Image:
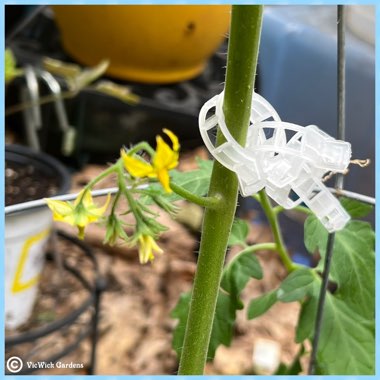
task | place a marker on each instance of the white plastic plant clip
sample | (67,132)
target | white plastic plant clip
(231,154)
(284,158)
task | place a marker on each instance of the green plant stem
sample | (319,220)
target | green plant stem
(253,249)
(241,68)
(141,146)
(209,202)
(115,202)
(123,188)
(100,177)
(278,239)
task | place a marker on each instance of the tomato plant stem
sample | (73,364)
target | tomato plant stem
(277,234)
(241,68)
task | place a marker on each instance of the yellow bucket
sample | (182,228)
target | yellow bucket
(144,43)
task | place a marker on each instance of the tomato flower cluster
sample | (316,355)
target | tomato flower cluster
(131,170)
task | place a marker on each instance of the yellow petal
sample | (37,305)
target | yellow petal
(87,198)
(144,249)
(104,207)
(60,209)
(69,219)
(163,177)
(173,138)
(136,167)
(155,246)
(99,211)
(165,157)
(81,232)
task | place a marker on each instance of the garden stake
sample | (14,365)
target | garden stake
(338,183)
(241,68)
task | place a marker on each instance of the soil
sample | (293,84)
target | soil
(135,326)
(25,183)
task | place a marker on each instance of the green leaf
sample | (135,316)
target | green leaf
(239,232)
(355,208)
(180,312)
(353,263)
(306,320)
(196,181)
(262,304)
(281,370)
(346,343)
(349,334)
(296,286)
(347,340)
(239,271)
(294,368)
(222,328)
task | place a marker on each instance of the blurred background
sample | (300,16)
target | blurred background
(175,66)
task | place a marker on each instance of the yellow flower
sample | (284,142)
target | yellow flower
(164,160)
(80,213)
(146,247)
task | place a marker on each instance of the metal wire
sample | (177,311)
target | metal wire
(113,190)
(341,132)
(355,196)
(66,197)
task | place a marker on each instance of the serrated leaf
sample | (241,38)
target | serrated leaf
(222,328)
(262,304)
(346,343)
(296,286)
(306,320)
(349,334)
(239,271)
(196,181)
(348,319)
(355,208)
(239,232)
(353,262)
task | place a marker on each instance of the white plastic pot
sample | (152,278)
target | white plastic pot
(26,235)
